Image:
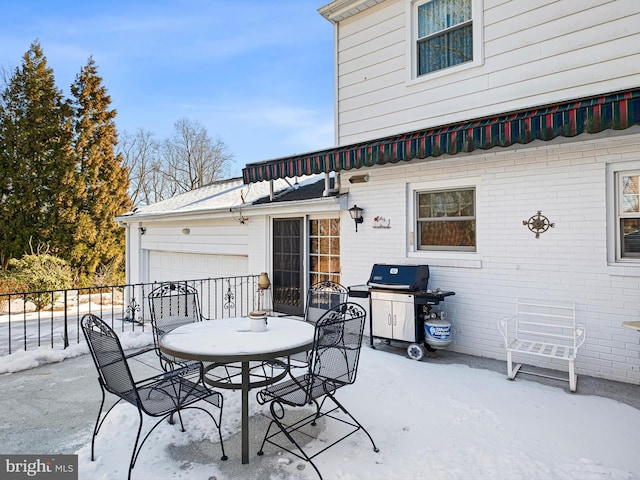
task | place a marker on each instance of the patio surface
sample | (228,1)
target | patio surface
(51,409)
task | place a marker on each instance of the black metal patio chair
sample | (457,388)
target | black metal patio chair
(172,305)
(161,395)
(333,365)
(321,297)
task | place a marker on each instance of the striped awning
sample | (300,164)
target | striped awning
(589,115)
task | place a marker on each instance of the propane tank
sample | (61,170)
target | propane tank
(437,330)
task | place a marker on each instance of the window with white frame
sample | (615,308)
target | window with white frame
(444,34)
(446,219)
(628,214)
(324,250)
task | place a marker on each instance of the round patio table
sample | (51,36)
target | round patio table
(229,340)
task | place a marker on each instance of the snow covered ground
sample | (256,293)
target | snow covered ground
(442,422)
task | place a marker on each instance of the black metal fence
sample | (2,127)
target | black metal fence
(29,320)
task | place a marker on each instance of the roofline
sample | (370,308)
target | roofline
(339,10)
(226,211)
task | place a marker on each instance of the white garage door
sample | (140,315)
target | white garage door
(188,266)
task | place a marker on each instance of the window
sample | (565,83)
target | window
(446,220)
(324,250)
(628,214)
(444,34)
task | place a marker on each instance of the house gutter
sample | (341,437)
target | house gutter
(222,212)
(341,9)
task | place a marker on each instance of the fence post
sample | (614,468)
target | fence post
(66,330)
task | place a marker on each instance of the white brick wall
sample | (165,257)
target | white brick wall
(565,179)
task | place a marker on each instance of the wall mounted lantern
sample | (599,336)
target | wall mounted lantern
(236,213)
(143,230)
(356,214)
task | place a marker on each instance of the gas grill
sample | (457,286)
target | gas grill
(399,304)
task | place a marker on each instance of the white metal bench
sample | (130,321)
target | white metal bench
(545,328)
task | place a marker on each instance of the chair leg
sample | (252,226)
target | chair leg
(318,409)
(573,378)
(264,440)
(137,446)
(96,428)
(511,370)
(181,423)
(99,422)
(283,428)
(219,427)
(344,410)
(136,449)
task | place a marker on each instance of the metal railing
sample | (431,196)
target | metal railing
(30,320)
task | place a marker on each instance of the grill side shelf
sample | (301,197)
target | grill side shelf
(358,291)
(431,298)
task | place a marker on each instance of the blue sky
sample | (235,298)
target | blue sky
(256,73)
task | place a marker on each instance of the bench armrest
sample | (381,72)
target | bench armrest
(503,327)
(581,335)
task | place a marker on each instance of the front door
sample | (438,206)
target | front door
(288,254)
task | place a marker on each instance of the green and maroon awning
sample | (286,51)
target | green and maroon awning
(590,115)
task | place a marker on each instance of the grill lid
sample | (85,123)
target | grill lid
(399,277)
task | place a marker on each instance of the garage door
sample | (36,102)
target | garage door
(165,266)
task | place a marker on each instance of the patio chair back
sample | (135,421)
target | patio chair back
(172,305)
(322,297)
(109,359)
(337,344)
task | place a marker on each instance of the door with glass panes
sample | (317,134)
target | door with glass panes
(323,255)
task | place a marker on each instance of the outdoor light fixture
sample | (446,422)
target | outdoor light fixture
(359,179)
(236,213)
(356,214)
(143,230)
(186,231)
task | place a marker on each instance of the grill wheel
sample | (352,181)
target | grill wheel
(415,351)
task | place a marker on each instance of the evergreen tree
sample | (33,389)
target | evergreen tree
(36,160)
(98,240)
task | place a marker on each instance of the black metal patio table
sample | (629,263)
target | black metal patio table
(223,342)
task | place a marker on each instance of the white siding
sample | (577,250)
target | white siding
(164,265)
(566,180)
(212,248)
(535,52)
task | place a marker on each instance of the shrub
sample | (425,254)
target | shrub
(109,274)
(38,273)
(10,285)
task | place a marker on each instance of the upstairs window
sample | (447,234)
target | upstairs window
(628,213)
(446,220)
(444,34)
